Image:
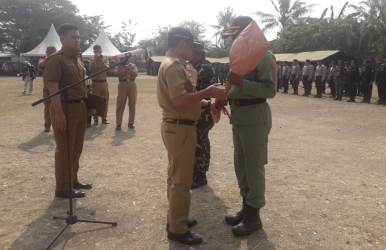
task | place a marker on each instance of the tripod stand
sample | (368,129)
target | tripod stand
(71,218)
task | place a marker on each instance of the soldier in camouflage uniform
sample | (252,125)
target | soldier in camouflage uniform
(206,77)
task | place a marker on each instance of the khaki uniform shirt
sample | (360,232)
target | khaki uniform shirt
(42,66)
(98,65)
(173,82)
(127,72)
(66,68)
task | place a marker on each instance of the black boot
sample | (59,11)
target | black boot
(235,219)
(250,223)
(188,238)
(199,180)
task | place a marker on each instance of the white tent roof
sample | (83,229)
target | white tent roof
(108,48)
(51,39)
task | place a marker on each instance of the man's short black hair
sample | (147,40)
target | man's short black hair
(175,35)
(65,28)
(97,47)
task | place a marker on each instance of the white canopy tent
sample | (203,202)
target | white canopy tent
(51,39)
(108,48)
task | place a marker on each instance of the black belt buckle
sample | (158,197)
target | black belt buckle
(180,122)
(247,102)
(74,101)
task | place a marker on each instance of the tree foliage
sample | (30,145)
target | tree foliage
(286,13)
(361,34)
(24,23)
(224,19)
(124,39)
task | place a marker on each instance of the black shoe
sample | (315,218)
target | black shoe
(82,186)
(118,128)
(251,222)
(199,180)
(96,122)
(351,100)
(105,122)
(235,219)
(131,126)
(46,130)
(191,223)
(75,194)
(188,238)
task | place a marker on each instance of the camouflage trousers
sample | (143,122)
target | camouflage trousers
(203,144)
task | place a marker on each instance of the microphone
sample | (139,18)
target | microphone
(136,55)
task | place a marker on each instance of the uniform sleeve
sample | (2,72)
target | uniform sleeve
(53,70)
(264,88)
(176,80)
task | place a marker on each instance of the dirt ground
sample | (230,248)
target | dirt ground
(326,178)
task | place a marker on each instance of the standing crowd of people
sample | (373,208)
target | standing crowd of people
(186,85)
(345,79)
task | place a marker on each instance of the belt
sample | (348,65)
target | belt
(126,79)
(99,81)
(73,101)
(247,102)
(180,122)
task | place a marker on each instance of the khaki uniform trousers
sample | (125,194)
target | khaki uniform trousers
(76,128)
(47,119)
(126,90)
(101,89)
(180,142)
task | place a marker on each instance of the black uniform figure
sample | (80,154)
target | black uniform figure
(353,79)
(206,77)
(367,79)
(381,83)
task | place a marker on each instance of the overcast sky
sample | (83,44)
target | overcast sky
(150,14)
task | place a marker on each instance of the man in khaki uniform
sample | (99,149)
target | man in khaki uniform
(63,69)
(99,82)
(127,90)
(47,120)
(181,109)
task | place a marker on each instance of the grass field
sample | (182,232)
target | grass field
(326,178)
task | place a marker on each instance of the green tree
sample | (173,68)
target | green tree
(372,16)
(157,44)
(124,39)
(198,29)
(224,19)
(24,23)
(286,14)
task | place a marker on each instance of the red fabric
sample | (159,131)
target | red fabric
(248,50)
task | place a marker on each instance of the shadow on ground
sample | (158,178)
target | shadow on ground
(44,229)
(41,143)
(122,136)
(216,233)
(94,131)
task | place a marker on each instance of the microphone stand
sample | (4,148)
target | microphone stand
(71,218)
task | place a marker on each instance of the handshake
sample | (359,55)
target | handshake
(219,92)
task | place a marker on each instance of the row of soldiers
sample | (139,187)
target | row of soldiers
(343,78)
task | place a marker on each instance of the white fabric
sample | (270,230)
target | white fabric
(52,39)
(108,48)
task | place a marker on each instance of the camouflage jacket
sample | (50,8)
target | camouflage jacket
(206,74)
